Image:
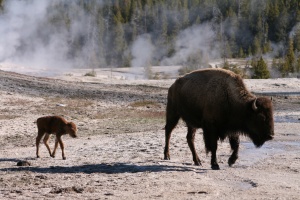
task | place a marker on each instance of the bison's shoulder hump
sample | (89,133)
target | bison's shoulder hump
(203,76)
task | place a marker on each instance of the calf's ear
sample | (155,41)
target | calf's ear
(70,124)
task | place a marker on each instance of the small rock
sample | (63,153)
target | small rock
(23,163)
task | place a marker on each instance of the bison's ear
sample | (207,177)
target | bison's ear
(254,106)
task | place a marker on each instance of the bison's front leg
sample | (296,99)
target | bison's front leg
(214,163)
(190,139)
(234,143)
(211,145)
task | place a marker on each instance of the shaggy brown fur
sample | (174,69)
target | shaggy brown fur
(217,101)
(54,125)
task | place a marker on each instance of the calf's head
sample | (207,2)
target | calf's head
(261,123)
(71,129)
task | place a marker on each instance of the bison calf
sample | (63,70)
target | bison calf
(217,101)
(54,125)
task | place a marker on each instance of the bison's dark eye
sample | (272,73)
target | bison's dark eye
(261,117)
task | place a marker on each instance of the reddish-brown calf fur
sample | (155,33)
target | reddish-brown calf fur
(54,125)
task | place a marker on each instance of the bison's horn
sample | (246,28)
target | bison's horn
(254,107)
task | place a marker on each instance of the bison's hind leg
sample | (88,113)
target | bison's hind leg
(191,142)
(234,141)
(172,120)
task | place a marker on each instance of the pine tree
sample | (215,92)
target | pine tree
(260,69)
(1,4)
(256,47)
(297,39)
(241,53)
(120,44)
(101,49)
(290,57)
(185,20)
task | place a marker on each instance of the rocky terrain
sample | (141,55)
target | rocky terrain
(119,152)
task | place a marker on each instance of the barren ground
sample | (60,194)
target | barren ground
(119,152)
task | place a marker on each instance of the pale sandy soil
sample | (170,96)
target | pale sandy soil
(119,152)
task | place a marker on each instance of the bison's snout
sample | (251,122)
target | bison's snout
(270,137)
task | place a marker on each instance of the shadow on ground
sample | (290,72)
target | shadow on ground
(111,168)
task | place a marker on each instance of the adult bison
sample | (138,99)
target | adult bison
(217,101)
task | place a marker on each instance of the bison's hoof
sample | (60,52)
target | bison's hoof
(53,156)
(38,156)
(232,160)
(64,158)
(215,167)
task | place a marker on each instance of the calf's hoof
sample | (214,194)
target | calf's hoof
(197,162)
(53,156)
(167,157)
(64,158)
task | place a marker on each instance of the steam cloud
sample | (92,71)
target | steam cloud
(28,37)
(22,25)
(142,50)
(196,39)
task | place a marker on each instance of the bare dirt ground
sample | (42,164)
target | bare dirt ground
(119,152)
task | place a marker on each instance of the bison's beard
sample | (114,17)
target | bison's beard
(259,141)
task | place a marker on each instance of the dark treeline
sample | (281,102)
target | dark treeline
(241,28)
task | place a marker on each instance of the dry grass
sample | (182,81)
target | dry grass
(91,73)
(144,103)
(8,117)
(17,102)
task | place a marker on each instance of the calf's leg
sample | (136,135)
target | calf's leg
(59,141)
(37,142)
(55,147)
(46,139)
(62,148)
